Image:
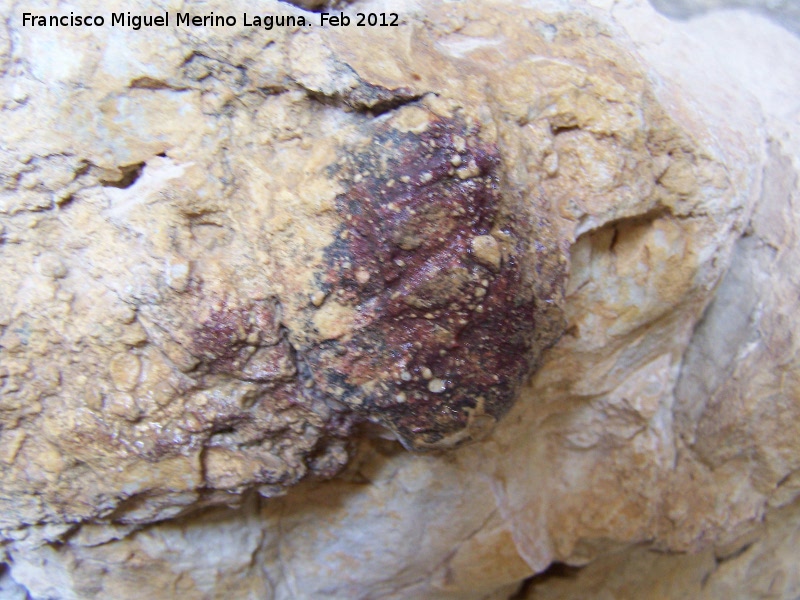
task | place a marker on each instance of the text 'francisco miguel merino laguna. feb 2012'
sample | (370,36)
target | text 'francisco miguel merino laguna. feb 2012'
(136,22)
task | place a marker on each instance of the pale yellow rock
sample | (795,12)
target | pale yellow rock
(333,320)
(486,250)
(124,370)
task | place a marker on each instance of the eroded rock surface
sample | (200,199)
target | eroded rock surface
(290,254)
(235,260)
(434,274)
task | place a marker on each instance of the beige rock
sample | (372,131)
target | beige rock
(165,255)
(174,308)
(763,565)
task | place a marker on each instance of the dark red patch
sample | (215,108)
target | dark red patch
(236,339)
(441,337)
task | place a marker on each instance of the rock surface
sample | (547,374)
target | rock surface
(783,12)
(203,231)
(242,289)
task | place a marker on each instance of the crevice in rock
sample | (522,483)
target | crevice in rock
(382,106)
(733,555)
(272,90)
(130,173)
(149,83)
(366,98)
(556,570)
(64,203)
(617,226)
(82,170)
(559,129)
(372,100)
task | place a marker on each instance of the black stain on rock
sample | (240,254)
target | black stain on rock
(439,274)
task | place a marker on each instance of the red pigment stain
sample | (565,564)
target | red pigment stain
(228,333)
(444,338)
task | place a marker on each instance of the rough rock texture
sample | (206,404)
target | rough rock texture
(239,261)
(761,565)
(301,253)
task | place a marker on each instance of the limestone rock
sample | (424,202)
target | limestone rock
(762,564)
(213,306)
(239,265)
